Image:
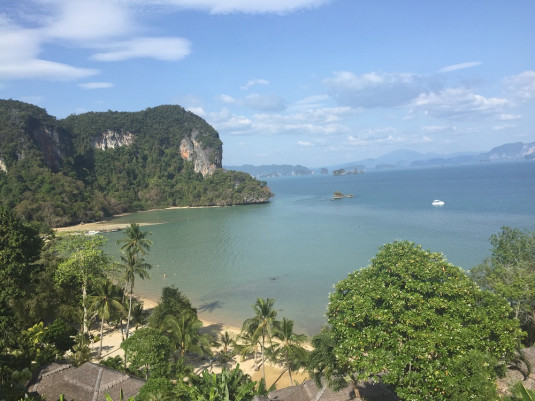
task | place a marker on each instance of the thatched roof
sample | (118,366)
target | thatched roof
(89,382)
(308,391)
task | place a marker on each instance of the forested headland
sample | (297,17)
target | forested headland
(86,167)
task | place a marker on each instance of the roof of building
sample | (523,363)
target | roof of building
(88,382)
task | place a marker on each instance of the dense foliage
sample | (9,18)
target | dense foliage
(510,272)
(52,172)
(420,325)
(411,321)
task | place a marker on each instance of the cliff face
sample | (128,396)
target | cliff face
(205,161)
(112,139)
(92,165)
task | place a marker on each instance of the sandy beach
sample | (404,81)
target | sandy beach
(111,342)
(109,225)
(111,346)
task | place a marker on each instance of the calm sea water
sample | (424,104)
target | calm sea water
(296,247)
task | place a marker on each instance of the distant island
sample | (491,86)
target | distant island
(511,152)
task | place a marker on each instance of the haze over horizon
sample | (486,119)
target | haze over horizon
(310,82)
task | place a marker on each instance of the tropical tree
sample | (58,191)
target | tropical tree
(261,325)
(139,315)
(136,240)
(510,272)
(83,260)
(322,362)
(132,264)
(148,349)
(227,385)
(417,322)
(183,333)
(289,347)
(172,302)
(104,305)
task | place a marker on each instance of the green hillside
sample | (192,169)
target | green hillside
(90,166)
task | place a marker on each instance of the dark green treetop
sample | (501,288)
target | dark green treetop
(411,318)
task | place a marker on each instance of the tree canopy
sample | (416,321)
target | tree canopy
(54,172)
(413,320)
(510,272)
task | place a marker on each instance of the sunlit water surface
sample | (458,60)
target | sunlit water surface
(297,246)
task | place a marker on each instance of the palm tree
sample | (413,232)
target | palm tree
(132,264)
(262,324)
(183,331)
(289,349)
(104,304)
(136,240)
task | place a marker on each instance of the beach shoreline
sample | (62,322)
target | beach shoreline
(108,225)
(274,373)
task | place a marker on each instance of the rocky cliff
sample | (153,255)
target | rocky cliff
(92,165)
(112,139)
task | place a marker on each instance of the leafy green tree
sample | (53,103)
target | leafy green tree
(411,318)
(158,389)
(510,272)
(323,364)
(136,240)
(104,305)
(114,362)
(227,385)
(83,260)
(183,333)
(289,347)
(261,325)
(20,247)
(172,302)
(148,350)
(60,335)
(132,264)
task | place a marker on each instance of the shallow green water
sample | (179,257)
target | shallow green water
(296,247)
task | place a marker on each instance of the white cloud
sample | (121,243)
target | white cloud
(253,82)
(43,69)
(508,117)
(503,127)
(227,99)
(264,102)
(243,6)
(83,20)
(317,122)
(305,143)
(96,85)
(169,49)
(460,66)
(382,136)
(438,128)
(197,110)
(521,86)
(458,103)
(377,90)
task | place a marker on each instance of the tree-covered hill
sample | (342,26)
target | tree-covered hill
(90,166)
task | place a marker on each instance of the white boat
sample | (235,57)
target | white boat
(438,202)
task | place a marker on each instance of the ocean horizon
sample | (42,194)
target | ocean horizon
(296,247)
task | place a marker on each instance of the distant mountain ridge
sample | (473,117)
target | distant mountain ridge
(273,170)
(402,158)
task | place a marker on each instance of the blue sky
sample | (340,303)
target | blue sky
(312,82)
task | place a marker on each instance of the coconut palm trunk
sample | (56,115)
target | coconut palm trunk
(129,310)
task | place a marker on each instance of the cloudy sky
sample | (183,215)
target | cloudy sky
(312,82)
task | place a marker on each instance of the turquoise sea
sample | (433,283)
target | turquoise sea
(297,246)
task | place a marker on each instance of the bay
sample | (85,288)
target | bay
(295,248)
